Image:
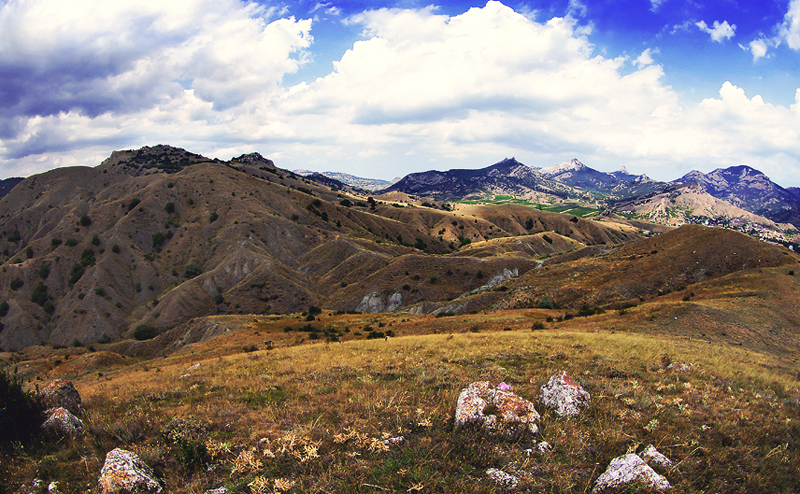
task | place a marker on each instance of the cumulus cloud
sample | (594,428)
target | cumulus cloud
(94,56)
(656,4)
(646,58)
(786,32)
(719,32)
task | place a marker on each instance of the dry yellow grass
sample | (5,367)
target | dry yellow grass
(317,417)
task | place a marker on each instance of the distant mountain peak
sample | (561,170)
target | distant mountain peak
(252,159)
(572,165)
(624,170)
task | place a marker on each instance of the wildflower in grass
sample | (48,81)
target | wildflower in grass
(246,462)
(634,384)
(259,485)
(652,425)
(284,485)
(216,449)
(504,387)
(416,487)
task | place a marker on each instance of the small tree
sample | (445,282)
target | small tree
(192,270)
(144,332)
(85,220)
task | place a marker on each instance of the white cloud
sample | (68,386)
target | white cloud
(758,47)
(576,9)
(790,29)
(656,4)
(646,58)
(720,32)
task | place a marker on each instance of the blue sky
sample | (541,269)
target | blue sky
(381,89)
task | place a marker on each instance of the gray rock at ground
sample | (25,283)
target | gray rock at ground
(629,469)
(563,395)
(503,479)
(678,367)
(651,456)
(375,302)
(124,471)
(218,490)
(61,393)
(514,414)
(61,421)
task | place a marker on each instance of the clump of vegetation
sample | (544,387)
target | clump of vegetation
(144,332)
(192,270)
(213,217)
(16,283)
(22,411)
(546,302)
(76,273)
(85,220)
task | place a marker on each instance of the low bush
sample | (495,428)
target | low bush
(22,411)
(144,332)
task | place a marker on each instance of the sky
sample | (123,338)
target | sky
(381,89)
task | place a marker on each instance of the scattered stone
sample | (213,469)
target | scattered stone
(628,469)
(678,367)
(514,413)
(544,447)
(52,488)
(394,440)
(61,393)
(124,471)
(503,479)
(184,376)
(61,421)
(218,490)
(651,456)
(193,367)
(563,395)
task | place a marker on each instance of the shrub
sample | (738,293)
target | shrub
(44,271)
(192,270)
(158,241)
(15,236)
(314,311)
(100,291)
(75,275)
(85,220)
(4,309)
(55,242)
(96,239)
(346,203)
(71,242)
(29,252)
(39,295)
(547,239)
(134,202)
(144,332)
(87,257)
(169,207)
(22,411)
(213,217)
(103,338)
(545,302)
(115,249)
(17,283)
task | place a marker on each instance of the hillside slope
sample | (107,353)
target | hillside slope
(158,236)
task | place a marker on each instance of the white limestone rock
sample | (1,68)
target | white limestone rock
(563,395)
(629,469)
(124,471)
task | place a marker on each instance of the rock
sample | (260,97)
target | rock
(371,303)
(563,395)
(61,393)
(394,302)
(628,469)
(502,478)
(61,421)
(218,490)
(651,456)
(123,471)
(678,367)
(514,413)
(52,488)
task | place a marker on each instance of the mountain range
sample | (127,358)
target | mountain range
(158,237)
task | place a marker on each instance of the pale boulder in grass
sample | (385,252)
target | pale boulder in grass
(124,471)
(503,479)
(632,469)
(514,414)
(62,393)
(563,395)
(61,421)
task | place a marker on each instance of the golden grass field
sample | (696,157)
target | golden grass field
(313,416)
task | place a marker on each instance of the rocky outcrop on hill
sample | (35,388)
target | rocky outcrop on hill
(124,471)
